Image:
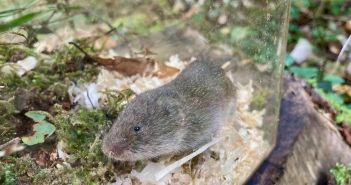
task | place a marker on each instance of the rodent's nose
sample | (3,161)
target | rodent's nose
(119,148)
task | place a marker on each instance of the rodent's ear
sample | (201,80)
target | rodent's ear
(169,105)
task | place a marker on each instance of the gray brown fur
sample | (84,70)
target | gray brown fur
(177,117)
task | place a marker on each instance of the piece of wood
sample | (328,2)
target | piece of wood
(308,143)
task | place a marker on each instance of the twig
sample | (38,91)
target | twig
(110,31)
(96,140)
(348,41)
(84,52)
(343,49)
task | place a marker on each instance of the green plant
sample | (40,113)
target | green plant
(342,174)
(7,174)
(79,130)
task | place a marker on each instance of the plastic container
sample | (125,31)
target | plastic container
(252,36)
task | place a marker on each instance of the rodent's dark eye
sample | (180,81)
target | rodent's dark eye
(137,129)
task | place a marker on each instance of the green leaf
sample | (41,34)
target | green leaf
(304,72)
(10,12)
(18,21)
(294,12)
(326,86)
(342,174)
(333,79)
(41,130)
(294,27)
(26,5)
(289,61)
(340,118)
(335,98)
(36,116)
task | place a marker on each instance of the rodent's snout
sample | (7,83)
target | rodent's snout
(114,148)
(118,148)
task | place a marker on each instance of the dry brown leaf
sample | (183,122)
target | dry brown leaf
(165,71)
(137,66)
(347,26)
(342,89)
(128,66)
(334,47)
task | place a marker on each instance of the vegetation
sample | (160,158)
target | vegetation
(342,174)
(325,24)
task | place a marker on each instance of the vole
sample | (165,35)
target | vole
(179,116)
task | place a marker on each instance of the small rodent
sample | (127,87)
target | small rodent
(179,116)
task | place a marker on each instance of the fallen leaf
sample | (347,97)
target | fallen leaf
(334,47)
(347,26)
(304,72)
(128,66)
(41,130)
(143,66)
(342,89)
(165,71)
(35,116)
(334,79)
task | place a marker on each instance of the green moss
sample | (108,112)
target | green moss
(70,63)
(259,100)
(10,82)
(41,177)
(342,174)
(8,51)
(7,110)
(116,101)
(91,175)
(80,132)
(16,170)
(25,171)
(7,174)
(42,80)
